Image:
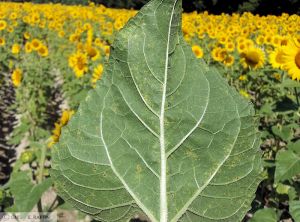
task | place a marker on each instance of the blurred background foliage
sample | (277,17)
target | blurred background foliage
(262,7)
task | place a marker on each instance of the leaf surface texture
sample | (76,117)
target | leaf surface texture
(161,135)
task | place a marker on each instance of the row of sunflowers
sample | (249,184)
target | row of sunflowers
(52,55)
(254,42)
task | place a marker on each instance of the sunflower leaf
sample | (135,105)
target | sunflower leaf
(162,136)
(295,209)
(26,194)
(288,163)
(265,215)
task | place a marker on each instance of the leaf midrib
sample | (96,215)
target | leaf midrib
(163,156)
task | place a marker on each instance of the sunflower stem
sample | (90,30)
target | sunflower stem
(40,178)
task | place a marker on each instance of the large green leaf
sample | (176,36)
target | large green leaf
(161,135)
(26,194)
(288,162)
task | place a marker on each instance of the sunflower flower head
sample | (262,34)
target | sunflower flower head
(36,44)
(64,119)
(277,57)
(2,41)
(3,24)
(97,74)
(197,51)
(292,59)
(28,48)
(253,58)
(79,63)
(43,51)
(15,49)
(16,77)
(228,61)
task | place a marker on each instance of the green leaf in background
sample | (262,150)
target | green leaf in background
(288,162)
(26,194)
(289,83)
(162,135)
(267,109)
(265,215)
(284,132)
(295,210)
(292,193)
(294,146)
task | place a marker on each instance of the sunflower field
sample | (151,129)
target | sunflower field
(51,55)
